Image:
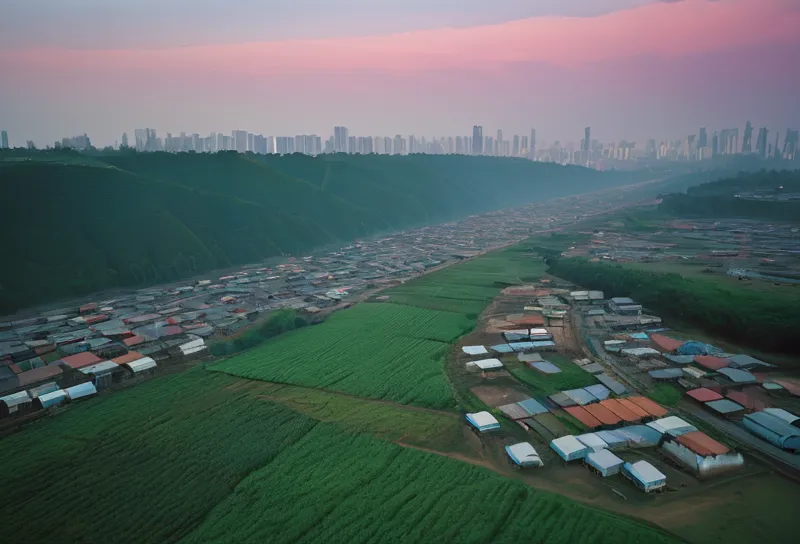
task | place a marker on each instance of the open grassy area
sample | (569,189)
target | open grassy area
(571,376)
(664,394)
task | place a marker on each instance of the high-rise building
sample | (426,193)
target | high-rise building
(250,141)
(489,146)
(340,139)
(498,145)
(702,138)
(524,151)
(515,148)
(477,140)
(4,140)
(259,144)
(124,139)
(761,142)
(715,144)
(387,145)
(587,142)
(399,145)
(747,146)
(790,144)
(532,147)
(239,138)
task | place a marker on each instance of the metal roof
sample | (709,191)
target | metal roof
(702,444)
(546,367)
(598,391)
(502,348)
(649,406)
(105,367)
(737,375)
(53,398)
(533,407)
(645,472)
(580,396)
(591,440)
(725,406)
(523,454)
(704,394)
(666,374)
(773,423)
(612,384)
(612,438)
(603,459)
(474,350)
(81,390)
(602,414)
(671,424)
(15,399)
(567,445)
(145,363)
(483,421)
(486,364)
(746,361)
(514,411)
(780,413)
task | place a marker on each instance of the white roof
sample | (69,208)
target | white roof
(614,342)
(487,364)
(539,331)
(604,459)
(579,294)
(193,344)
(54,397)
(638,352)
(788,417)
(523,452)
(593,441)
(15,398)
(193,350)
(517,331)
(668,423)
(100,368)
(647,472)
(474,350)
(139,365)
(568,444)
(483,419)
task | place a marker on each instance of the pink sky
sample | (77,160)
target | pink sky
(617,54)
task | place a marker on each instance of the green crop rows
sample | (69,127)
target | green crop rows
(383,351)
(337,487)
(571,376)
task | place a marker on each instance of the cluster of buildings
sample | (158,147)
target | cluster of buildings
(620,425)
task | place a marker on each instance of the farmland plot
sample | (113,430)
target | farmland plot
(338,487)
(143,465)
(382,351)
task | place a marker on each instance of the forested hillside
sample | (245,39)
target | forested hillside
(75,223)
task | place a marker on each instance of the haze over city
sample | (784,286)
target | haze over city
(631,69)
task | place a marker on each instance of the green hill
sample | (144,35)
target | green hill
(77,223)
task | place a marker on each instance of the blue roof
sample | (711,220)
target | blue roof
(612,438)
(639,435)
(737,375)
(725,406)
(543,344)
(514,337)
(679,359)
(581,396)
(533,407)
(521,346)
(612,384)
(81,390)
(599,391)
(666,373)
(545,367)
(697,348)
(774,424)
(639,336)
(502,348)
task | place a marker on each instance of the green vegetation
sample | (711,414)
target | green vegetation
(144,465)
(383,351)
(76,223)
(664,394)
(718,198)
(571,376)
(764,320)
(277,323)
(335,487)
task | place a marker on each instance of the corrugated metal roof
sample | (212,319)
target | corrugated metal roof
(533,407)
(725,406)
(99,369)
(53,398)
(649,406)
(592,441)
(580,413)
(702,444)
(545,367)
(523,454)
(474,350)
(703,394)
(603,460)
(612,384)
(710,362)
(569,445)
(617,408)
(737,375)
(773,423)
(780,413)
(580,396)
(483,421)
(39,374)
(598,391)
(513,411)
(603,414)
(140,365)
(15,399)
(487,364)
(80,360)
(612,438)
(633,407)
(81,390)
(127,358)
(645,472)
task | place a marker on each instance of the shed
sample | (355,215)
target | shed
(80,360)
(594,368)
(710,362)
(738,376)
(587,419)
(750,404)
(746,362)
(486,364)
(529,357)
(483,421)
(620,410)
(725,407)
(502,348)
(666,374)
(665,343)
(604,462)
(694,372)
(603,414)
(696,348)
(545,345)
(42,389)
(641,353)
(598,391)
(640,412)
(562,400)
(592,441)
(545,367)
(102,374)
(773,429)
(15,402)
(474,350)
(82,390)
(679,359)
(780,413)
(652,408)
(54,398)
(673,425)
(141,366)
(703,394)
(581,397)
(702,454)
(127,358)
(524,455)
(646,477)
(533,407)
(639,436)
(521,346)
(772,386)
(614,440)
(569,448)
(611,383)
(39,375)
(514,411)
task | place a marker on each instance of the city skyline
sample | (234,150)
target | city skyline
(623,65)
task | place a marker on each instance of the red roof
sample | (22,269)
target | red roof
(602,414)
(583,416)
(790,385)
(128,357)
(702,444)
(704,394)
(134,340)
(633,407)
(665,342)
(649,406)
(620,410)
(746,400)
(80,360)
(39,374)
(711,362)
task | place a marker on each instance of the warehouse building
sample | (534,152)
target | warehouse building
(702,454)
(773,429)
(604,463)
(569,448)
(524,455)
(483,421)
(592,441)
(646,477)
(54,398)
(672,425)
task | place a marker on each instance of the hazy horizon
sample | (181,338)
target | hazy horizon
(630,69)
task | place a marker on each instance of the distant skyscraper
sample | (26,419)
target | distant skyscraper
(4,140)
(515,148)
(532,148)
(524,149)
(761,142)
(702,138)
(477,140)
(489,146)
(790,145)
(340,139)
(747,146)
(239,138)
(587,143)
(387,145)
(124,139)
(715,144)
(498,144)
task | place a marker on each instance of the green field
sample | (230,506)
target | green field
(571,376)
(664,394)
(332,487)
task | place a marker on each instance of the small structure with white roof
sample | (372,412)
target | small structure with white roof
(646,477)
(604,462)
(485,364)
(474,350)
(483,421)
(524,455)
(569,448)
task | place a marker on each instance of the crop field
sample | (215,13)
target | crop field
(338,487)
(143,465)
(469,287)
(571,376)
(382,351)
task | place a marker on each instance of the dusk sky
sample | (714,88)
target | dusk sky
(629,68)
